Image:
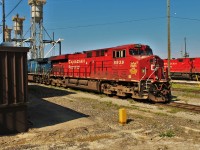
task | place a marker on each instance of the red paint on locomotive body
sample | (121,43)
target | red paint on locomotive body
(127,71)
(118,63)
(188,68)
(123,70)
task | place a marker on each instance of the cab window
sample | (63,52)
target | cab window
(143,52)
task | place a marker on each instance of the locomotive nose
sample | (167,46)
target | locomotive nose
(160,92)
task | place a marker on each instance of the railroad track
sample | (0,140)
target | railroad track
(190,107)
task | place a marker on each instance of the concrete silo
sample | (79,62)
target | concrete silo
(18,28)
(36,41)
(8,34)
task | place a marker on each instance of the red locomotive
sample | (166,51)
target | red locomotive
(184,68)
(128,70)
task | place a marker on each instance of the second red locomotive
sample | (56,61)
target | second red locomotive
(128,70)
(184,68)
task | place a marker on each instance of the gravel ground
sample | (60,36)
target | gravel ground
(71,119)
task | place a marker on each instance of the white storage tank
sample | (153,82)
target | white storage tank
(18,24)
(8,34)
(37,9)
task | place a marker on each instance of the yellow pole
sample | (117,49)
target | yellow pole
(122,116)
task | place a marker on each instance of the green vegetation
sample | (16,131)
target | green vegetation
(140,116)
(189,94)
(161,114)
(135,107)
(174,110)
(93,106)
(168,133)
(102,95)
(160,108)
(186,90)
(131,101)
(86,99)
(109,104)
(185,87)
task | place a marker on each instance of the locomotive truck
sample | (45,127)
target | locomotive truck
(127,71)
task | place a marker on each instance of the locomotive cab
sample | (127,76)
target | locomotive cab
(148,70)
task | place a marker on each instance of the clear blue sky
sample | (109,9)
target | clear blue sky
(93,24)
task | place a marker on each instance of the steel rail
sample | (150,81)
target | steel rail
(190,107)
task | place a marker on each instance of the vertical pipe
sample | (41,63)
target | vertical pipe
(59,47)
(4,19)
(53,53)
(41,47)
(21,32)
(168,28)
(185,48)
(21,81)
(5,78)
(14,80)
(25,70)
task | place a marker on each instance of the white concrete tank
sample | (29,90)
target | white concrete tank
(37,9)
(8,34)
(18,24)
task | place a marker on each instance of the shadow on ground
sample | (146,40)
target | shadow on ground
(45,92)
(43,113)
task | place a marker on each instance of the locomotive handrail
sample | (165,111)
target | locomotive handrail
(151,75)
(48,72)
(163,73)
(144,74)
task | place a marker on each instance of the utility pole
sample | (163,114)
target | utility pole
(4,19)
(185,48)
(168,29)
(186,54)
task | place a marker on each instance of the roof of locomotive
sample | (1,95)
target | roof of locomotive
(67,56)
(131,46)
(183,58)
(122,47)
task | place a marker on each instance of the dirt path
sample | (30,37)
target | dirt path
(68,119)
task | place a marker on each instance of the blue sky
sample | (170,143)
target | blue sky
(93,24)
